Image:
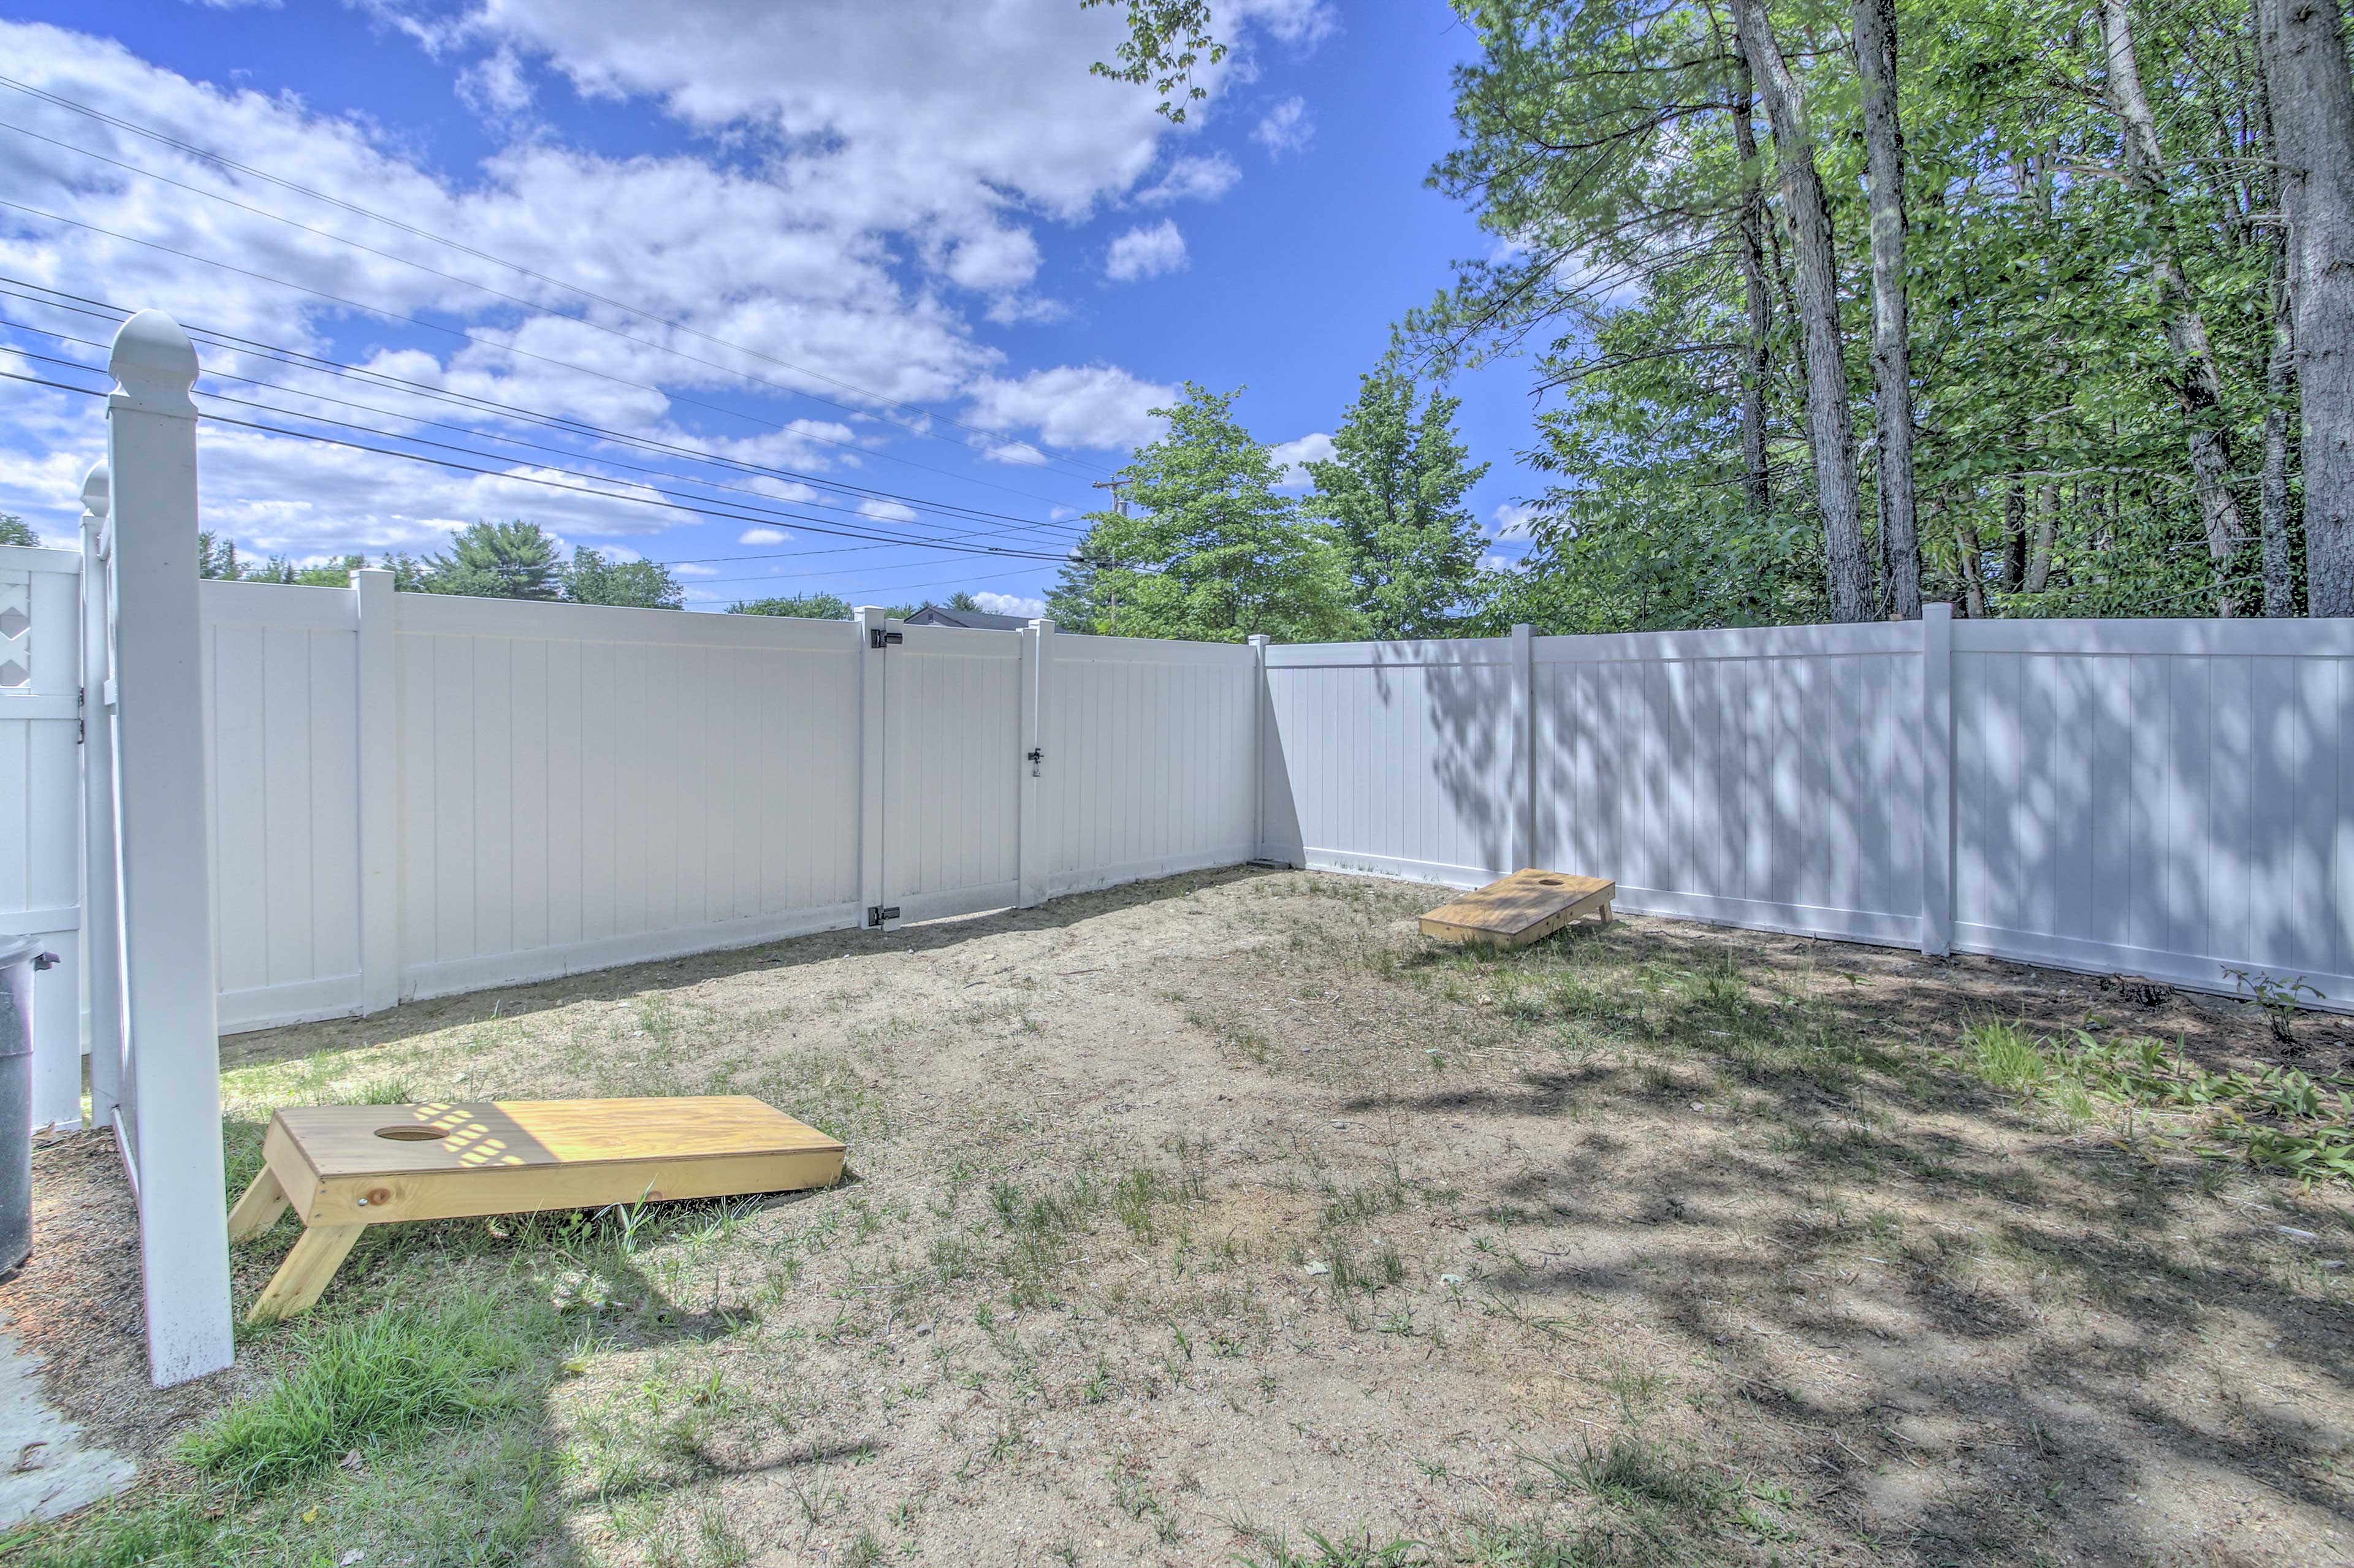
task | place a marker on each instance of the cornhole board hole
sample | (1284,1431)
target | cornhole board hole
(342,1168)
(1526,906)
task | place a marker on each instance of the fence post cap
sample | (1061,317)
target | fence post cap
(155,365)
(1259,640)
(95,490)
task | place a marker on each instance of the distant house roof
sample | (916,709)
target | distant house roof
(935,615)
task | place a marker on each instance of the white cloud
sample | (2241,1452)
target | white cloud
(887,510)
(1020,453)
(1192,178)
(1492,563)
(1510,519)
(1314,447)
(694,569)
(1010,604)
(762,536)
(1304,23)
(1145,252)
(1285,128)
(1098,406)
(850,170)
(495,87)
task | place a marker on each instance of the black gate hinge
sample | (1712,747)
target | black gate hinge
(878,637)
(878,913)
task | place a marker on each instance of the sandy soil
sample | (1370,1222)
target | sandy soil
(1190,1218)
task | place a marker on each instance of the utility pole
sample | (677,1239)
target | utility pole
(1120,508)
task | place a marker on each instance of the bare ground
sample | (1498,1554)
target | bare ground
(1187,1219)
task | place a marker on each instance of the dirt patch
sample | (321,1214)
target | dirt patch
(75,1305)
(1192,1218)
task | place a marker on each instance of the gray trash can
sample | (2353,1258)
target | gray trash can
(19,957)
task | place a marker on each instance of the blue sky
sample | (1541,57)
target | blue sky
(902,267)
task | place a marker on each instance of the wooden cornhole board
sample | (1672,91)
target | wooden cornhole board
(341,1168)
(1526,906)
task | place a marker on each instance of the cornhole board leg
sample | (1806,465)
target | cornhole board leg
(318,1253)
(265,1199)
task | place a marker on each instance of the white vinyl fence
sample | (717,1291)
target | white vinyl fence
(415,795)
(2169,799)
(297,802)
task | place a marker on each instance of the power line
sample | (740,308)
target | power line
(878,541)
(440,424)
(207,155)
(298,360)
(901,587)
(608,495)
(507,348)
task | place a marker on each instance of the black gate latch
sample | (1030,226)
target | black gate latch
(878,637)
(878,913)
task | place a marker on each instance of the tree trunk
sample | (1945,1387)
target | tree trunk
(2014,535)
(2312,105)
(1830,430)
(2197,384)
(2280,379)
(1970,561)
(2047,528)
(1892,351)
(1755,291)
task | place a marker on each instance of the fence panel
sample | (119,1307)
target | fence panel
(281,764)
(583,786)
(1766,778)
(1398,759)
(41,787)
(2173,799)
(1147,758)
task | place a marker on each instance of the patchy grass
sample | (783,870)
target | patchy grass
(397,1376)
(1226,1218)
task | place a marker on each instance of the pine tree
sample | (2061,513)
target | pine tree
(515,560)
(1394,492)
(1211,552)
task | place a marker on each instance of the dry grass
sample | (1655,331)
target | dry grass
(1225,1218)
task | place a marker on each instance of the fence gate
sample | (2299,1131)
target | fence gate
(952,734)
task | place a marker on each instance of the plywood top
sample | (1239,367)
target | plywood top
(351,1141)
(1525,898)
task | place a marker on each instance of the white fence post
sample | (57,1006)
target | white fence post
(1937,779)
(1037,660)
(872,622)
(1524,750)
(101,934)
(165,825)
(377,709)
(1260,717)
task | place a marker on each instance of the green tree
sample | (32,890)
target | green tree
(13,530)
(593,577)
(961,601)
(515,560)
(1392,491)
(1211,552)
(806,607)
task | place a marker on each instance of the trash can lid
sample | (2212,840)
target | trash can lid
(17,949)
